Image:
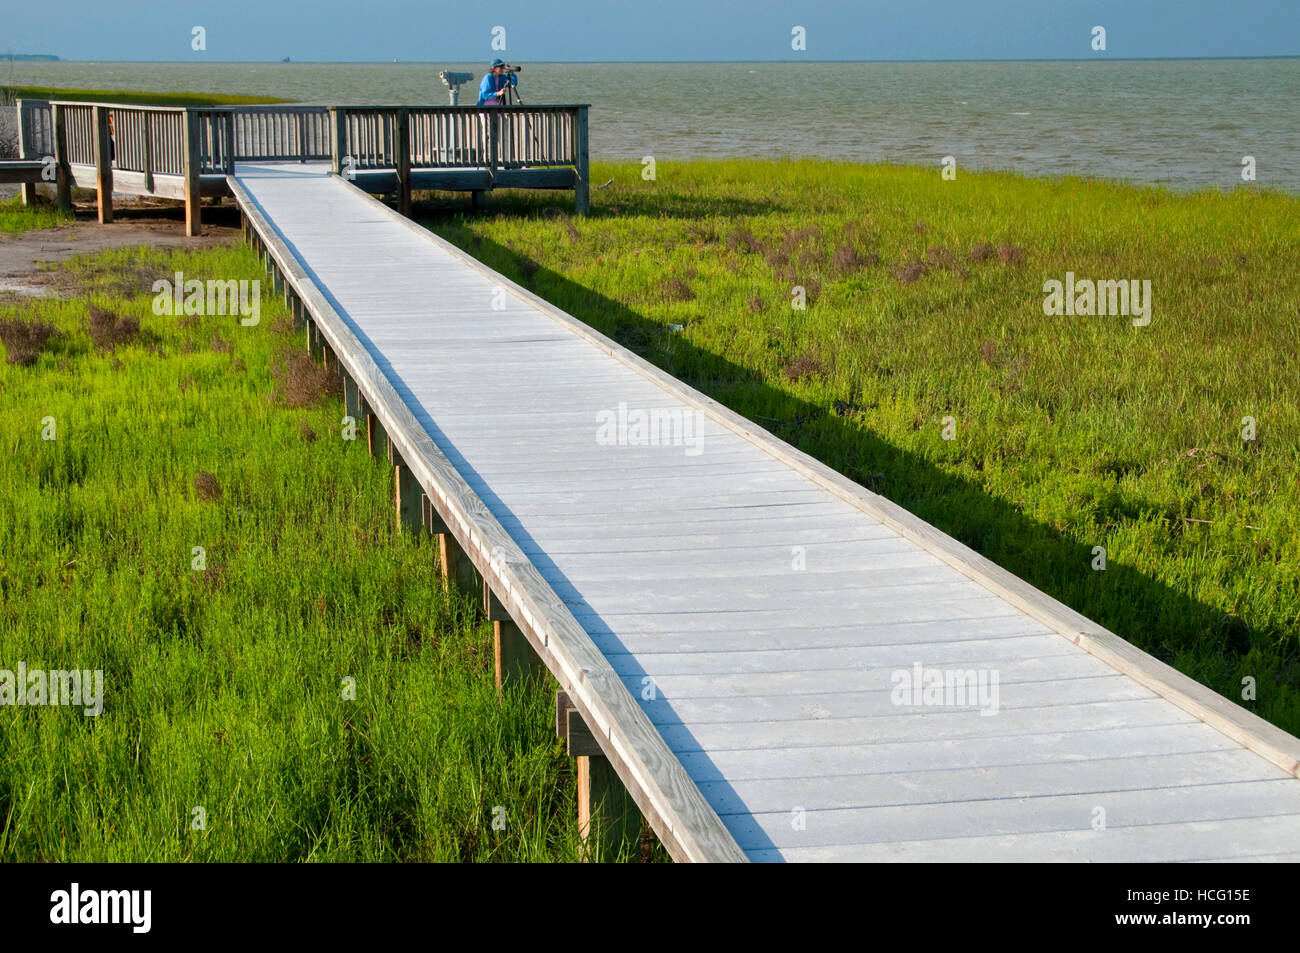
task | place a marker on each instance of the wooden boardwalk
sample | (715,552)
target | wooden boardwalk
(730,619)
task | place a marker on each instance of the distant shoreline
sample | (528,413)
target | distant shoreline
(795,61)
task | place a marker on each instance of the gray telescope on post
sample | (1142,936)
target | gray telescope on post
(454,81)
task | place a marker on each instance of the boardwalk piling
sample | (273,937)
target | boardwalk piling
(193,225)
(403,159)
(407,498)
(338,138)
(453,564)
(63,169)
(351,397)
(582,177)
(607,815)
(513,657)
(376,439)
(102,143)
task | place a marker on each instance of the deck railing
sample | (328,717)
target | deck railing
(460,137)
(170,150)
(150,141)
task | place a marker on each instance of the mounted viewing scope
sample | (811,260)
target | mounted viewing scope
(513,69)
(454,81)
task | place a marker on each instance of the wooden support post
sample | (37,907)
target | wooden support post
(582,185)
(103,163)
(457,570)
(376,439)
(403,145)
(432,518)
(148,122)
(193,225)
(63,170)
(351,397)
(607,816)
(313,341)
(513,654)
(229,125)
(338,138)
(408,498)
(453,564)
(24,135)
(513,657)
(492,607)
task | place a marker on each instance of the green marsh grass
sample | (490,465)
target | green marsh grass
(8,94)
(15,218)
(224,688)
(925,302)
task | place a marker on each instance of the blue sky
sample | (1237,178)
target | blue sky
(606,30)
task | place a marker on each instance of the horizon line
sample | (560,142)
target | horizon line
(9,57)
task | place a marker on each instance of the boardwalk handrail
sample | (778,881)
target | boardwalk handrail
(266,133)
(459,137)
(193,143)
(666,795)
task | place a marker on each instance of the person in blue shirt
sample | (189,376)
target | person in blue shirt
(491,91)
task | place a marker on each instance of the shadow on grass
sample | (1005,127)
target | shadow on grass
(634,202)
(1215,649)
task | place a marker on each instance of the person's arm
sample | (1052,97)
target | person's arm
(485,90)
(514,79)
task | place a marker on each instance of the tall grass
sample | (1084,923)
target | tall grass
(225,686)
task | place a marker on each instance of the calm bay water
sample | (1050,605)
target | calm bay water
(1183,123)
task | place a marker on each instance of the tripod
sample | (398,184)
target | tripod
(510,97)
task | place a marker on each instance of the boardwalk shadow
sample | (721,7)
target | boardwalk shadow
(1147,612)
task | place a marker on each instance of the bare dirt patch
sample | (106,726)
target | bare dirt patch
(25,258)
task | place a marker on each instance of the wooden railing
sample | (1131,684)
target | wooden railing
(35,128)
(176,147)
(459,137)
(504,138)
(267,133)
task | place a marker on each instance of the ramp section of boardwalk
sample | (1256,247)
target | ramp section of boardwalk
(778,663)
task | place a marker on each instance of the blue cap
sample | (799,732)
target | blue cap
(498,62)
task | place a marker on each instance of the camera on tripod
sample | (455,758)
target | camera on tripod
(512,69)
